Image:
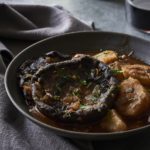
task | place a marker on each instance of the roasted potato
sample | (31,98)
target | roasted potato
(116,69)
(107,56)
(133,99)
(116,65)
(113,122)
(137,71)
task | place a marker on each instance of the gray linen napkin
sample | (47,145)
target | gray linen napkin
(18,133)
(33,22)
(20,26)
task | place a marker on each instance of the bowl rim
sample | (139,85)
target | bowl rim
(57,129)
(131,2)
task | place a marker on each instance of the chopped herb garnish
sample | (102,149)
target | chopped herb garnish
(55,97)
(89,84)
(83,82)
(117,71)
(91,98)
(83,106)
(96,91)
(66,77)
(76,92)
(66,115)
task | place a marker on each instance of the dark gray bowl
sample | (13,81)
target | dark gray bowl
(68,43)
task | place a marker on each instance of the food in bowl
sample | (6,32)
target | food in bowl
(77,90)
(100,92)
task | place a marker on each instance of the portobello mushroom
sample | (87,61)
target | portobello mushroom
(81,89)
(29,67)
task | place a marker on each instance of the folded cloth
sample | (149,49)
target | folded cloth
(20,24)
(18,133)
(34,22)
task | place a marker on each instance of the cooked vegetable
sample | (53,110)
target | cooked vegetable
(74,93)
(115,65)
(29,67)
(106,92)
(133,99)
(113,122)
(117,71)
(107,56)
(137,71)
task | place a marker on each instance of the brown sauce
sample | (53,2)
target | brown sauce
(95,127)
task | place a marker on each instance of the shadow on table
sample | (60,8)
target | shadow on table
(135,142)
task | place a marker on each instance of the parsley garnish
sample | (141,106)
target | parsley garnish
(117,71)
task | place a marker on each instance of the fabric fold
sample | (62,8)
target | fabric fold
(35,22)
(18,132)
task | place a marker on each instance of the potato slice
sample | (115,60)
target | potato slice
(133,99)
(107,56)
(137,71)
(113,122)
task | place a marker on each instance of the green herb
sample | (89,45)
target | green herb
(66,77)
(55,97)
(117,71)
(89,84)
(83,106)
(76,92)
(96,91)
(67,114)
(61,83)
(91,98)
(83,82)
